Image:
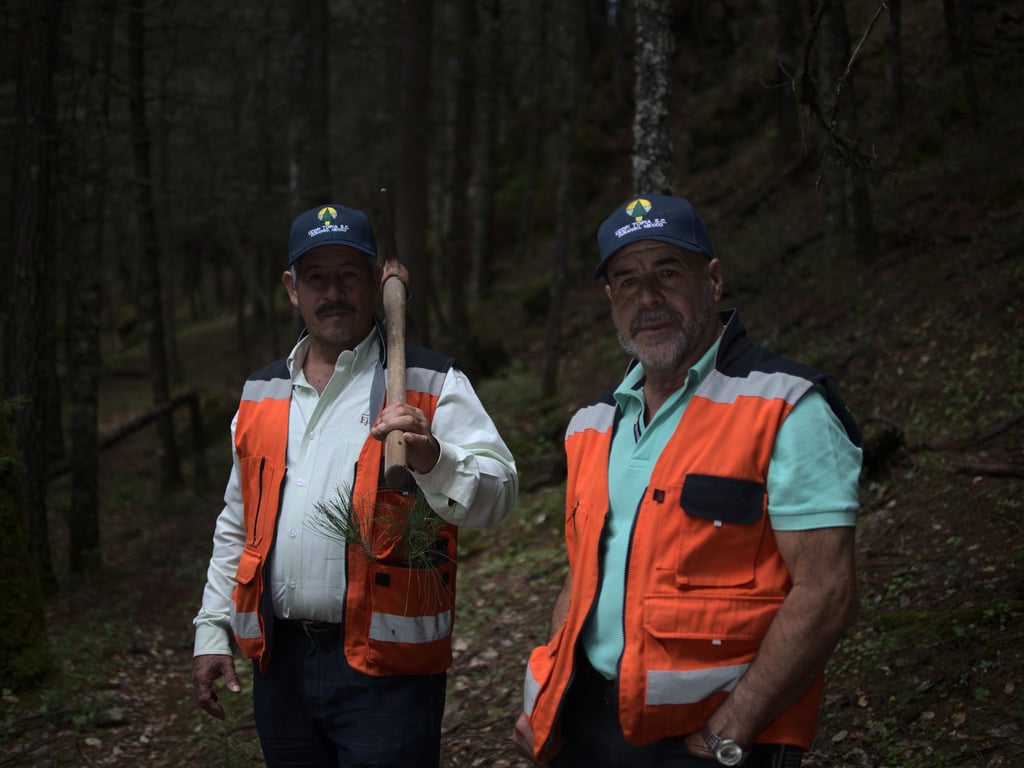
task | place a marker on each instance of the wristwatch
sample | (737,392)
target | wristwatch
(727,751)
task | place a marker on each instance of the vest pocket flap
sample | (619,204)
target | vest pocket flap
(741,502)
(248,566)
(696,617)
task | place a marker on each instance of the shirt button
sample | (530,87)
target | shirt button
(291,585)
(301,481)
(312,435)
(293,533)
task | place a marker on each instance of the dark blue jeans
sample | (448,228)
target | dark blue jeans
(312,710)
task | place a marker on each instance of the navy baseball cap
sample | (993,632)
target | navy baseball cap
(331,224)
(671,220)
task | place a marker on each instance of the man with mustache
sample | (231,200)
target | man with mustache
(710,507)
(349,637)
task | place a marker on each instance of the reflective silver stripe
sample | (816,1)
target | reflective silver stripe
(668,687)
(245,625)
(599,416)
(720,388)
(275,389)
(389,628)
(424,380)
(530,690)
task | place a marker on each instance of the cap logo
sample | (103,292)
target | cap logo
(637,209)
(327,215)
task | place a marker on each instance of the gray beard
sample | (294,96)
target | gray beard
(668,355)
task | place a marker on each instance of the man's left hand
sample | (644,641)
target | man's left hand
(421,447)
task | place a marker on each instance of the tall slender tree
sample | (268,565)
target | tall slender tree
(413,137)
(458,248)
(84,297)
(652,124)
(150,293)
(486,146)
(567,51)
(32,360)
(844,189)
(309,175)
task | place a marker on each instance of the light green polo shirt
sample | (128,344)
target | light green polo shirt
(812,483)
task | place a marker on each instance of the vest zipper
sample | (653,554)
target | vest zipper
(259,503)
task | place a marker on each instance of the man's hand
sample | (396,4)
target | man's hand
(522,737)
(421,447)
(205,671)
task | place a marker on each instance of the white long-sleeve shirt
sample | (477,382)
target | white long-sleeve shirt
(474,483)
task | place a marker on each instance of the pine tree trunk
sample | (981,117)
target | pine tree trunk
(789,31)
(652,125)
(486,147)
(567,52)
(84,308)
(309,176)
(150,300)
(847,203)
(411,213)
(28,369)
(461,168)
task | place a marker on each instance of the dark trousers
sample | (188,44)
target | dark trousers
(593,738)
(312,710)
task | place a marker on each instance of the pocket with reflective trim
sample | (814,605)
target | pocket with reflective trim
(726,518)
(412,611)
(246,622)
(539,669)
(694,646)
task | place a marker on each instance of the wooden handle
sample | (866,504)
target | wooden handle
(393,297)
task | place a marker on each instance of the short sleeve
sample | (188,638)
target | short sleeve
(814,475)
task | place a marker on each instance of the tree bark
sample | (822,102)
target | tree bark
(150,300)
(652,124)
(32,362)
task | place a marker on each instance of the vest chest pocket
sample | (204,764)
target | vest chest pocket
(723,528)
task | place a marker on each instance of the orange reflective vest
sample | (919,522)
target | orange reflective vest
(704,577)
(397,619)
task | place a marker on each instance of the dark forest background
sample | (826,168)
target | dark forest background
(858,164)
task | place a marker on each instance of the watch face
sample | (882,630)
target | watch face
(729,753)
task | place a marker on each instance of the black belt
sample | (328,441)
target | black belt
(323,633)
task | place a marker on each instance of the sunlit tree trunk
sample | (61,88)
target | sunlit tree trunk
(413,124)
(652,124)
(32,361)
(150,300)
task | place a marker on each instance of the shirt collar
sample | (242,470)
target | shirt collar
(631,387)
(366,353)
